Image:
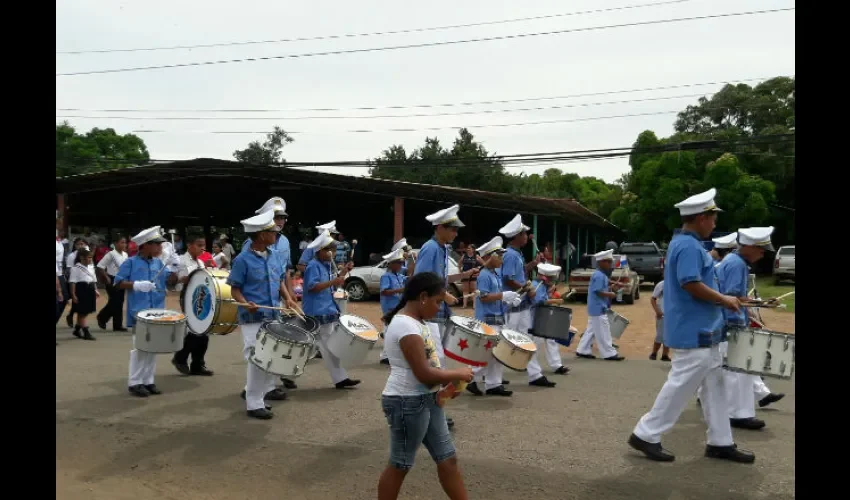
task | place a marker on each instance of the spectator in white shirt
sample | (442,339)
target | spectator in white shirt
(79,244)
(226,247)
(220,259)
(61,285)
(194,344)
(107,268)
(83,292)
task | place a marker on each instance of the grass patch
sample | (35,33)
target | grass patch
(768,288)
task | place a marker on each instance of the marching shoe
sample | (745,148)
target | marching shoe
(653,451)
(731,453)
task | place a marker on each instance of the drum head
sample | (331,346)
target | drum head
(473,324)
(358,326)
(285,331)
(311,325)
(221,274)
(518,339)
(200,301)
(160,315)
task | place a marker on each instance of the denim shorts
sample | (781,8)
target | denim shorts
(413,420)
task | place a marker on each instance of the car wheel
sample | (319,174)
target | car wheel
(356,290)
(630,298)
(637,293)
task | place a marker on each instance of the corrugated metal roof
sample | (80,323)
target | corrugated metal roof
(568,209)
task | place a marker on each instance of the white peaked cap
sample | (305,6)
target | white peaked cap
(604,255)
(257,223)
(397,254)
(400,244)
(447,217)
(699,203)
(756,236)
(514,227)
(321,241)
(728,241)
(330,227)
(149,235)
(548,269)
(277,204)
(492,246)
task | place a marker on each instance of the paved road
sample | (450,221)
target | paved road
(195,441)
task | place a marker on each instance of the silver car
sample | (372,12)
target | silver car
(784,267)
(364,281)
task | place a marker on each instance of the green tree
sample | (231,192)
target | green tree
(98,149)
(268,152)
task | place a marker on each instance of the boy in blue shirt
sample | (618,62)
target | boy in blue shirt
(599,298)
(308,253)
(692,328)
(490,309)
(319,303)
(392,287)
(547,273)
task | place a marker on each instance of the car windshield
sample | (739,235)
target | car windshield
(786,251)
(637,248)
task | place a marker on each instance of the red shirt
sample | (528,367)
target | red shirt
(132,249)
(207,259)
(100,253)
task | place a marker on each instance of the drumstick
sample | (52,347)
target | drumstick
(792,292)
(296,313)
(245,304)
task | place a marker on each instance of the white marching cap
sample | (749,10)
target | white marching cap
(400,244)
(757,237)
(321,241)
(397,254)
(514,227)
(604,255)
(149,235)
(329,227)
(699,203)
(548,269)
(492,246)
(277,204)
(728,241)
(257,223)
(446,217)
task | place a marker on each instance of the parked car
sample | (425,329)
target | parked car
(783,264)
(579,280)
(645,259)
(365,281)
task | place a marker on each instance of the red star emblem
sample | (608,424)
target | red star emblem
(463,344)
(488,345)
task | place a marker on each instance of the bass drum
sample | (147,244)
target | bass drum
(207,303)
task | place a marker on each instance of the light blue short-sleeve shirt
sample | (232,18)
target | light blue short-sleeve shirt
(137,268)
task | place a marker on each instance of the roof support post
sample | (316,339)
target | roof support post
(62,211)
(398,218)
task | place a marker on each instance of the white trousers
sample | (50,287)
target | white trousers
(437,336)
(690,369)
(331,362)
(597,328)
(760,388)
(492,374)
(742,391)
(258,382)
(384,348)
(142,367)
(521,322)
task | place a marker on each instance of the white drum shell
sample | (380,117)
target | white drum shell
(351,349)
(158,336)
(342,304)
(617,323)
(477,346)
(280,356)
(760,352)
(514,357)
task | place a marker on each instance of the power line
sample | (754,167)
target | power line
(379,33)
(423,45)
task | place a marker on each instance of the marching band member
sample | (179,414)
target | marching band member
(392,286)
(409,266)
(319,302)
(412,399)
(598,303)
(196,345)
(544,290)
(307,254)
(434,258)
(136,275)
(723,245)
(514,271)
(280,247)
(490,309)
(692,328)
(257,277)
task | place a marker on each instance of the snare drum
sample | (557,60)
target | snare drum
(341,299)
(351,339)
(514,350)
(552,322)
(758,351)
(207,302)
(159,331)
(282,349)
(617,323)
(469,341)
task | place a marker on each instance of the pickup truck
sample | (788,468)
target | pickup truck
(579,280)
(645,259)
(784,265)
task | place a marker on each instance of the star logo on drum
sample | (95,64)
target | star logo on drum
(463,344)
(488,345)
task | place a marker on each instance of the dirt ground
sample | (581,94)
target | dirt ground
(195,442)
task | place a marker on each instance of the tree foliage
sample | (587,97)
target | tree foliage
(268,152)
(98,149)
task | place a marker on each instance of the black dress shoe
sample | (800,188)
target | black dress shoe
(87,334)
(120,329)
(70,320)
(615,357)
(542,382)
(770,398)
(653,356)
(615,346)
(585,356)
(261,413)
(450,422)
(731,453)
(78,332)
(498,391)
(665,358)
(385,361)
(276,395)
(318,355)
(181,367)
(288,384)
(101,324)
(473,389)
(562,370)
(751,424)
(506,382)
(139,391)
(653,451)
(345,384)
(202,371)
(151,388)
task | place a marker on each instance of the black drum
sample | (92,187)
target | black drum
(552,322)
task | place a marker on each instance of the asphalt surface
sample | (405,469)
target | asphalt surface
(195,441)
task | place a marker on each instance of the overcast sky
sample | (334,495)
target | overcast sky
(725,49)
